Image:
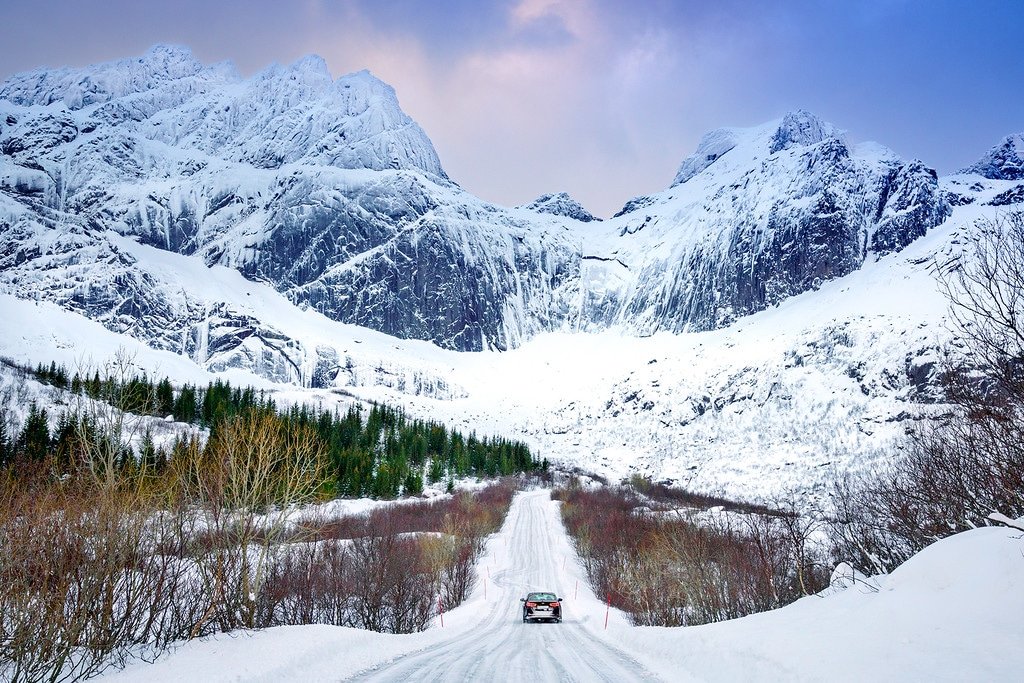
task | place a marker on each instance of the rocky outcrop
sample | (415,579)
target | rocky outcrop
(1005,161)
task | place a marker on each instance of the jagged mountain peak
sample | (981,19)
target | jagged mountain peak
(168,53)
(798,128)
(310,70)
(801,128)
(710,149)
(285,114)
(81,87)
(560,204)
(1005,161)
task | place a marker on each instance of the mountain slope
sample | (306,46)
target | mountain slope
(770,317)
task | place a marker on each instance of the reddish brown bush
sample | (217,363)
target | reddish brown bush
(666,570)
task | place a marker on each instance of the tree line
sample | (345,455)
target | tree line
(378,452)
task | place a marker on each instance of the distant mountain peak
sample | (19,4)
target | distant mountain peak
(284,114)
(560,204)
(167,52)
(1005,161)
(801,128)
(106,81)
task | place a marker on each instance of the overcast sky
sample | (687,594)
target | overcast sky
(600,98)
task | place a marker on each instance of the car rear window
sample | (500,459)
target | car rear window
(541,597)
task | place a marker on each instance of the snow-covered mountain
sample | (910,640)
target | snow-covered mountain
(323,188)
(1005,161)
(326,190)
(754,217)
(769,314)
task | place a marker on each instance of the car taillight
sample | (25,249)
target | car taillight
(554,604)
(531,604)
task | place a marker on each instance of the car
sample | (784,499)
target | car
(541,606)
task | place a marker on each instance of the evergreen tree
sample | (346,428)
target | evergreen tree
(148,455)
(185,407)
(164,397)
(65,442)
(94,386)
(60,377)
(35,437)
(413,485)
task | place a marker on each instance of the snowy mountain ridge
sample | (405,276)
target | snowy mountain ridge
(291,230)
(1005,161)
(327,190)
(285,114)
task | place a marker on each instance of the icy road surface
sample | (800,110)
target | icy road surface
(501,646)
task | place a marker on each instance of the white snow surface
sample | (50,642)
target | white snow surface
(951,613)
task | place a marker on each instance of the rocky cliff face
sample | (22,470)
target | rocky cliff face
(328,192)
(1005,161)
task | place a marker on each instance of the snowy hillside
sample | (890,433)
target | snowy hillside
(323,188)
(783,399)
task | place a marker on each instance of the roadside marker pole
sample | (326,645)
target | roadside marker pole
(576,593)
(606,610)
(440,607)
(485,589)
(563,563)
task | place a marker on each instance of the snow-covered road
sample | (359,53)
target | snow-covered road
(951,613)
(531,553)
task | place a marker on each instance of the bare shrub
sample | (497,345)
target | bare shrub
(255,467)
(392,590)
(82,587)
(310,583)
(107,422)
(669,570)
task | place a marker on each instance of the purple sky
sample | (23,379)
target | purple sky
(600,98)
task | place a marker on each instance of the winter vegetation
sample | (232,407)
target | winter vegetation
(98,572)
(643,546)
(114,547)
(378,452)
(666,567)
(968,465)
